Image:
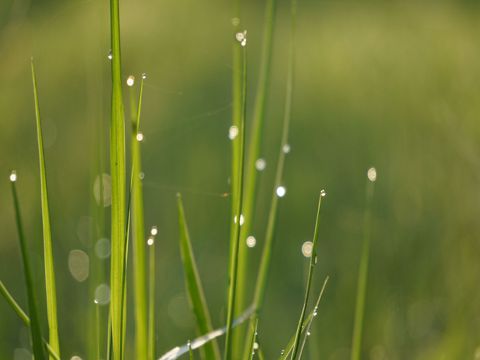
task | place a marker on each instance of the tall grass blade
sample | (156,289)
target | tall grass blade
(151,301)
(237,191)
(51,292)
(252,340)
(117,170)
(194,286)
(35,331)
(363,269)
(138,238)
(21,314)
(313,262)
(308,320)
(178,351)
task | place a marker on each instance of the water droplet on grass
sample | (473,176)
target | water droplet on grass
(110,55)
(307,249)
(241,37)
(251,241)
(13,176)
(242,219)
(154,231)
(233,132)
(281,191)
(323,193)
(150,241)
(131,80)
(260,164)
(286,148)
(139,136)
(372,174)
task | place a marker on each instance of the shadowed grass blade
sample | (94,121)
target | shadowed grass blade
(194,285)
(117,169)
(21,314)
(363,269)
(313,262)
(306,323)
(35,332)
(51,292)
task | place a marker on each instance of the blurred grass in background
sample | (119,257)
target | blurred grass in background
(389,84)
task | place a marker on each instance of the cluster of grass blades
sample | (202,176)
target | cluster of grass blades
(127,219)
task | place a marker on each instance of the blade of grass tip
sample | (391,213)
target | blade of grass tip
(313,262)
(21,314)
(363,269)
(138,232)
(35,331)
(151,296)
(193,284)
(253,338)
(241,42)
(51,293)
(306,322)
(118,175)
(254,148)
(261,283)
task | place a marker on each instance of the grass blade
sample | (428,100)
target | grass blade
(194,285)
(35,332)
(117,169)
(308,320)
(21,314)
(237,193)
(151,299)
(51,292)
(363,270)
(313,262)
(253,338)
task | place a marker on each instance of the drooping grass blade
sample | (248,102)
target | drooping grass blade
(117,170)
(363,269)
(194,285)
(50,287)
(289,348)
(313,262)
(21,314)
(35,330)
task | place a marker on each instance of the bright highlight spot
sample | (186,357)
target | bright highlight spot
(251,241)
(307,249)
(286,148)
(150,241)
(323,193)
(139,136)
(233,132)
(154,231)
(242,219)
(131,80)
(241,37)
(260,164)
(13,176)
(281,191)
(372,174)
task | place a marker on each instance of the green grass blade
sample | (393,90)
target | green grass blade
(194,285)
(138,239)
(363,270)
(190,351)
(51,293)
(117,170)
(151,300)
(308,320)
(21,314)
(239,160)
(254,148)
(252,339)
(35,332)
(313,262)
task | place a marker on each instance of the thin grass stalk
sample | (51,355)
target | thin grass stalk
(313,263)
(363,270)
(252,339)
(233,263)
(117,169)
(151,302)
(254,148)
(35,329)
(50,287)
(138,236)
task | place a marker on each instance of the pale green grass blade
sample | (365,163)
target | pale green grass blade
(363,270)
(252,339)
(194,285)
(51,292)
(138,238)
(237,201)
(117,170)
(190,351)
(313,263)
(289,348)
(151,301)
(21,314)
(35,329)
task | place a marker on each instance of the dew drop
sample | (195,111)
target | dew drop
(286,148)
(242,219)
(308,333)
(251,241)
(307,249)
(144,76)
(281,191)
(110,55)
(13,176)
(372,174)
(260,164)
(139,136)
(282,352)
(241,37)
(233,132)
(323,193)
(131,80)
(141,175)
(154,231)
(255,346)
(75,357)
(315,311)
(150,241)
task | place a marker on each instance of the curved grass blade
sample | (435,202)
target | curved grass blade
(118,175)
(308,320)
(313,262)
(151,302)
(21,314)
(178,351)
(194,284)
(35,332)
(50,287)
(363,269)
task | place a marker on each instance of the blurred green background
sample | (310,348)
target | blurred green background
(390,84)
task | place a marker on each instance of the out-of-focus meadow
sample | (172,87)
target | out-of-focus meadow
(395,85)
